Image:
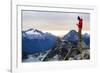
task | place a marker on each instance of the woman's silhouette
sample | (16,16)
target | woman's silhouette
(80,25)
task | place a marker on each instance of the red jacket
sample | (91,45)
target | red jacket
(80,24)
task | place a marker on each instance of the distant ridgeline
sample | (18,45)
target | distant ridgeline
(34,40)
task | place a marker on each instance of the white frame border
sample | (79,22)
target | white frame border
(17,66)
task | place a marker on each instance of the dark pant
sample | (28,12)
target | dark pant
(79,34)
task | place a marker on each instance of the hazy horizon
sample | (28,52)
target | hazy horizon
(53,21)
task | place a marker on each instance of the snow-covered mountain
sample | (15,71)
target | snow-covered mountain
(72,36)
(37,46)
(34,40)
(86,38)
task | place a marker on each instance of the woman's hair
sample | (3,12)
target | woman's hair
(78,18)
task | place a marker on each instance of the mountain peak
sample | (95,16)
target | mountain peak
(71,36)
(36,41)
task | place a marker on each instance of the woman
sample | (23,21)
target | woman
(80,25)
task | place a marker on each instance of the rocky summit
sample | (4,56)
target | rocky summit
(38,46)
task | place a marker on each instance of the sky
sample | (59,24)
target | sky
(46,21)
